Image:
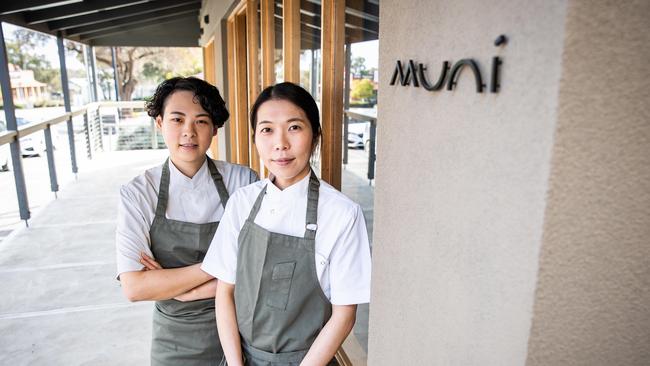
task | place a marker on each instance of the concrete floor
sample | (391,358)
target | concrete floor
(62,305)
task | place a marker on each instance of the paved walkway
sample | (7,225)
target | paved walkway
(62,305)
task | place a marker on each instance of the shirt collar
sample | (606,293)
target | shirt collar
(176,178)
(296,190)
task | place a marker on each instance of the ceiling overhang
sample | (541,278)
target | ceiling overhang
(138,23)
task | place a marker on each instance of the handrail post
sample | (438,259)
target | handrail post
(89,148)
(10,116)
(101,128)
(115,76)
(371,154)
(154,139)
(346,101)
(66,100)
(49,150)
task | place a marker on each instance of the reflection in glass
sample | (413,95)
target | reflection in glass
(360,83)
(279,65)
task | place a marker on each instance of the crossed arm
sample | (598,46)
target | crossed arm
(322,350)
(156,283)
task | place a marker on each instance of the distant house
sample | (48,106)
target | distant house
(24,88)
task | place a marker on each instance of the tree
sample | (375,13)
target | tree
(358,66)
(23,51)
(362,89)
(152,63)
(128,60)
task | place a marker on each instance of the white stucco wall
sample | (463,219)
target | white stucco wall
(461,182)
(592,304)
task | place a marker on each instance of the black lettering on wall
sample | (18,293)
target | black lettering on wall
(441,79)
(458,67)
(405,78)
(418,75)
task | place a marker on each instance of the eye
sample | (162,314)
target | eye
(202,121)
(295,127)
(175,119)
(265,130)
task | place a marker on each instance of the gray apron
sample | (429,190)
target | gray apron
(184,333)
(280,305)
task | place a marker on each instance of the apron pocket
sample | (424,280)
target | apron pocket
(278,296)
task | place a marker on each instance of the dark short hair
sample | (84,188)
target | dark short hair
(295,94)
(205,93)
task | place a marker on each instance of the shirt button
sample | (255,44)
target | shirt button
(272,211)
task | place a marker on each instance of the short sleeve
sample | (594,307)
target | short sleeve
(221,259)
(132,233)
(350,263)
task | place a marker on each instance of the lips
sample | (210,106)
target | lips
(189,147)
(283,161)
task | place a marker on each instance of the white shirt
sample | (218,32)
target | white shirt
(194,200)
(342,247)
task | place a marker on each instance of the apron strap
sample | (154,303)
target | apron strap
(163,190)
(312,207)
(257,205)
(218,182)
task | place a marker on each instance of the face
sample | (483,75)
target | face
(283,137)
(187,129)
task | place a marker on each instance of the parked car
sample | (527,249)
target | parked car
(4,151)
(33,144)
(358,135)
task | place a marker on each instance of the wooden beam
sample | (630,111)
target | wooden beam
(16,6)
(333,37)
(252,34)
(232,90)
(123,12)
(131,20)
(146,23)
(268,42)
(210,77)
(241,95)
(291,40)
(74,9)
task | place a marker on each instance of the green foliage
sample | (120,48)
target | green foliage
(153,64)
(153,72)
(362,89)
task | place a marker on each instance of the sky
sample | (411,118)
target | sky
(49,51)
(368,50)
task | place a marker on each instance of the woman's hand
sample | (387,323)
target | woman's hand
(148,262)
(204,291)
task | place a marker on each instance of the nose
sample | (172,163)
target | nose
(281,142)
(189,128)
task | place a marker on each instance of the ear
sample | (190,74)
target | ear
(159,122)
(214,130)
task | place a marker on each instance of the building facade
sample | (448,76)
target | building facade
(512,199)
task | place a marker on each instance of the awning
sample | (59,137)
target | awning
(159,23)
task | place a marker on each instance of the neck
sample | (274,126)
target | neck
(188,169)
(282,184)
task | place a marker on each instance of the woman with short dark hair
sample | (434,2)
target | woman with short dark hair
(167,218)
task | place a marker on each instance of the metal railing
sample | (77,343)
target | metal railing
(99,126)
(372,157)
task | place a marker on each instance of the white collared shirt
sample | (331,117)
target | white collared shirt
(194,200)
(342,247)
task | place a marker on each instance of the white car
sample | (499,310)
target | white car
(33,144)
(358,135)
(30,145)
(4,151)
